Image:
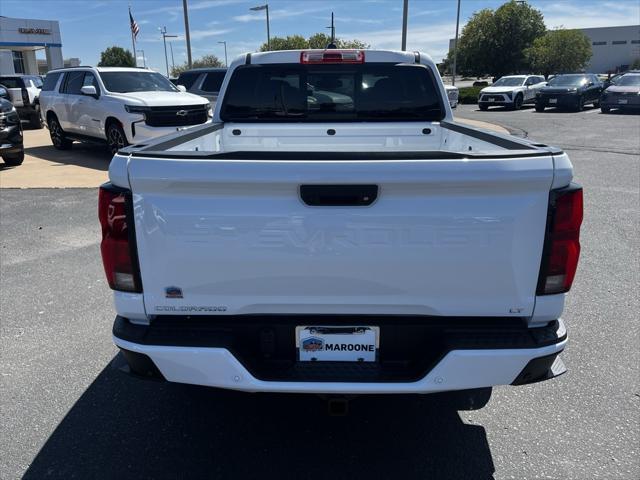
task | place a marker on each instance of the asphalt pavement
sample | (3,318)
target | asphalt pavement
(66,413)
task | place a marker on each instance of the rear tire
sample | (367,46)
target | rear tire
(605,109)
(580,105)
(596,104)
(14,159)
(539,108)
(58,137)
(35,121)
(484,108)
(116,139)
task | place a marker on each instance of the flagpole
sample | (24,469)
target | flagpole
(133,41)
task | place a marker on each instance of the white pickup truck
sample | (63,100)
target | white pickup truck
(334,231)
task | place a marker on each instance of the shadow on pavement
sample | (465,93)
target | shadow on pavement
(127,428)
(84,155)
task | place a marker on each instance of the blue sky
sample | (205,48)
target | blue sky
(89,26)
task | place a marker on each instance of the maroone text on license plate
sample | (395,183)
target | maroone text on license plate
(337,343)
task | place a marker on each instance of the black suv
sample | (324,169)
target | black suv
(11,147)
(571,91)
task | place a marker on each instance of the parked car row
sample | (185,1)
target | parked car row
(568,91)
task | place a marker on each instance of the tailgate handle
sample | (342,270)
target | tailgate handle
(338,195)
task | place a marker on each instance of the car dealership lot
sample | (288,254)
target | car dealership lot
(67,413)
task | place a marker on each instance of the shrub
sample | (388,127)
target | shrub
(469,95)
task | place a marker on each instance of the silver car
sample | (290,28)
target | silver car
(623,94)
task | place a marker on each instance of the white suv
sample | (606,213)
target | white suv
(511,91)
(119,106)
(24,91)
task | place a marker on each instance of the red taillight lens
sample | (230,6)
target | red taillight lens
(562,243)
(117,250)
(332,56)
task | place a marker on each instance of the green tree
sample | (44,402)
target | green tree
(116,57)
(559,51)
(317,40)
(493,42)
(202,62)
(292,42)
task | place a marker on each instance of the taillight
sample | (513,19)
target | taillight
(25,96)
(562,241)
(118,250)
(332,56)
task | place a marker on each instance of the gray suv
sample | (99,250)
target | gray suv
(205,82)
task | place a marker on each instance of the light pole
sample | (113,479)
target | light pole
(144,58)
(226,64)
(163,31)
(185,10)
(455,47)
(266,8)
(405,15)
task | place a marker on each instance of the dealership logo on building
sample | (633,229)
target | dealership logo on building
(35,31)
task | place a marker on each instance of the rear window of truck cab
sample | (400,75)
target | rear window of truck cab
(332,92)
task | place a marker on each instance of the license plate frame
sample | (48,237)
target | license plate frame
(337,343)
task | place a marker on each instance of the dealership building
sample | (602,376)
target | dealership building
(20,38)
(614,48)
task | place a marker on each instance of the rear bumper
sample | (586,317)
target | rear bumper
(477,362)
(561,101)
(139,132)
(628,101)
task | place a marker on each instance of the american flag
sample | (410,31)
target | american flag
(135,29)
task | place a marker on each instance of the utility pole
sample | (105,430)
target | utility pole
(226,63)
(332,44)
(405,15)
(455,47)
(186,31)
(266,8)
(163,31)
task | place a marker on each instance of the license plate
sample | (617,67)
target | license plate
(492,99)
(553,100)
(622,102)
(337,344)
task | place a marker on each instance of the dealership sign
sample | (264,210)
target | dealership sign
(35,31)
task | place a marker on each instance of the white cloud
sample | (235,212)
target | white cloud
(276,14)
(202,5)
(432,39)
(575,15)
(200,34)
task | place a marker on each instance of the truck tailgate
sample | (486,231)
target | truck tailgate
(444,237)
